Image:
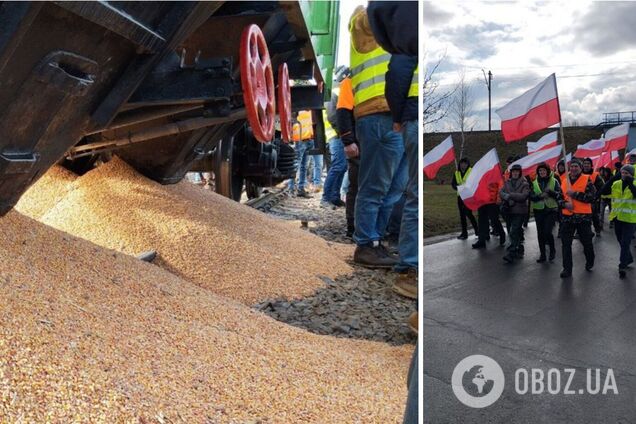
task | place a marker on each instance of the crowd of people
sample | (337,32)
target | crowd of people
(575,197)
(371,129)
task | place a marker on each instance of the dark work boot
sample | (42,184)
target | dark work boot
(566,273)
(373,257)
(542,257)
(510,256)
(462,236)
(303,193)
(502,238)
(479,245)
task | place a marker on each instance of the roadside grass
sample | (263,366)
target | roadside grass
(440,209)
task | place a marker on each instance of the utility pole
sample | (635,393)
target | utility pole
(488,84)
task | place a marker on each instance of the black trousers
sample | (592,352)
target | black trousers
(596,216)
(624,234)
(545,219)
(584,229)
(352,192)
(515,231)
(605,203)
(464,213)
(489,215)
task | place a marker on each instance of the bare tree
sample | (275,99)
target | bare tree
(461,107)
(436,102)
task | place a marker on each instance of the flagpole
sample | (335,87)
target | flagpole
(565,158)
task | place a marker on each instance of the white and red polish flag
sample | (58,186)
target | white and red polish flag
(475,192)
(591,148)
(547,141)
(627,155)
(607,159)
(529,163)
(616,137)
(534,110)
(440,155)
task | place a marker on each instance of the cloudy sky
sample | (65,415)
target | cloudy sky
(591,46)
(346,10)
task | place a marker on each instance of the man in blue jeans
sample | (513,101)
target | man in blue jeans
(316,173)
(337,170)
(302,147)
(303,137)
(382,175)
(401,94)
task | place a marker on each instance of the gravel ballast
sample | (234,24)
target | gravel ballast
(212,241)
(88,334)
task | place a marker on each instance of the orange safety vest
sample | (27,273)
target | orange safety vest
(303,129)
(579,185)
(594,176)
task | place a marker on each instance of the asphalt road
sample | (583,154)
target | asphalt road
(524,316)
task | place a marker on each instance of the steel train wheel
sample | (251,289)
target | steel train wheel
(257,81)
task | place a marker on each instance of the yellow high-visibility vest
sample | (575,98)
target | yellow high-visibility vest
(329,131)
(623,204)
(413,89)
(303,129)
(367,73)
(461,180)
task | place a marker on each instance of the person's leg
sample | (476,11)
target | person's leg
(618,231)
(352,193)
(595,218)
(317,171)
(482,224)
(540,220)
(567,235)
(292,181)
(462,216)
(395,193)
(395,218)
(333,182)
(302,164)
(627,233)
(409,239)
(586,236)
(381,152)
(471,218)
(339,164)
(516,223)
(496,223)
(344,188)
(410,413)
(549,227)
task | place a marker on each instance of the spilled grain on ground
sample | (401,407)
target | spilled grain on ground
(49,190)
(212,241)
(88,334)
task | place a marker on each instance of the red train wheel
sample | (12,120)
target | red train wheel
(257,81)
(284,103)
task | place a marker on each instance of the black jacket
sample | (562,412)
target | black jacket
(398,82)
(607,188)
(394,25)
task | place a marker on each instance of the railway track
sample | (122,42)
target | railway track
(268,200)
(283,205)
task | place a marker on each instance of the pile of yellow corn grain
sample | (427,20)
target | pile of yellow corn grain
(50,189)
(88,334)
(214,242)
